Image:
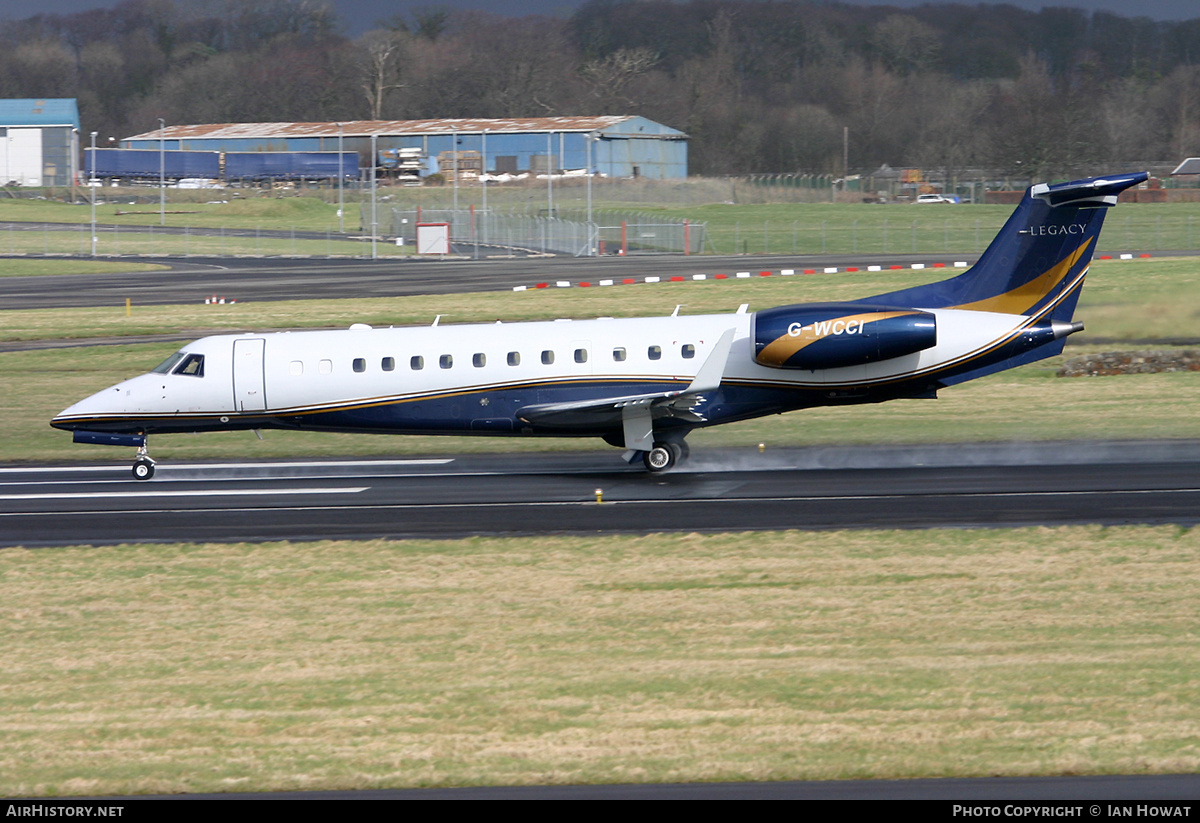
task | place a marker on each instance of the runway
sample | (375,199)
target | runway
(193,279)
(593,492)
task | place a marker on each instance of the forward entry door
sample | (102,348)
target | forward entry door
(249,391)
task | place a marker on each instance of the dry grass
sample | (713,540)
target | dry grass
(661,658)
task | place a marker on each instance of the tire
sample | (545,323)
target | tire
(143,470)
(659,459)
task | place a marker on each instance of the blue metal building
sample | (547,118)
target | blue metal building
(40,145)
(612,146)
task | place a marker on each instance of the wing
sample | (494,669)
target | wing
(636,412)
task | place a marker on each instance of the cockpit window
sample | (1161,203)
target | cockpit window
(165,366)
(192,366)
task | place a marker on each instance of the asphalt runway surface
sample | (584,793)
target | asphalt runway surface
(194,279)
(544,494)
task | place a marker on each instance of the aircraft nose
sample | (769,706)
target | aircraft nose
(76,415)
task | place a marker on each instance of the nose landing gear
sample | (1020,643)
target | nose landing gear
(143,466)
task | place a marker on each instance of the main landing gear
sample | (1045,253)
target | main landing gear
(143,466)
(664,455)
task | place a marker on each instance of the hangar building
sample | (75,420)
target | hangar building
(41,142)
(627,146)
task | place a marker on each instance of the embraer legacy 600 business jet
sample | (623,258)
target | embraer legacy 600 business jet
(638,383)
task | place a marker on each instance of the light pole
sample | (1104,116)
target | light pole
(374,215)
(550,173)
(483,177)
(92,193)
(454,148)
(341,176)
(162,175)
(591,137)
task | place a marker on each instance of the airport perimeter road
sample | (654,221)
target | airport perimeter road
(556,494)
(194,279)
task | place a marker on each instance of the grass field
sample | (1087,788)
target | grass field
(33,267)
(279,213)
(781,228)
(609,659)
(840,228)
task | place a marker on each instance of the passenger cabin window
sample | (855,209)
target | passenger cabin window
(417,362)
(619,354)
(360,364)
(514,358)
(547,358)
(581,355)
(388,364)
(192,365)
(479,360)
(296,368)
(325,367)
(654,352)
(446,361)
(689,351)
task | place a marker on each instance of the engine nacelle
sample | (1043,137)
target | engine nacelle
(834,335)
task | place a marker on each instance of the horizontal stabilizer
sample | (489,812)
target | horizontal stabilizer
(1096,192)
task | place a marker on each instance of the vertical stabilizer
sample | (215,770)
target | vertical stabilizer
(1036,264)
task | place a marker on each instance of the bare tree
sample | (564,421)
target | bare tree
(609,77)
(381,64)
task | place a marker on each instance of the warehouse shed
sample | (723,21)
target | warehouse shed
(41,142)
(616,146)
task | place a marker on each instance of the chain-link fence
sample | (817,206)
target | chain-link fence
(567,232)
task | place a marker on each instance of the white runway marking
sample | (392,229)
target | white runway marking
(440,461)
(168,493)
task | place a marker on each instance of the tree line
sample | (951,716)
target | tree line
(760,86)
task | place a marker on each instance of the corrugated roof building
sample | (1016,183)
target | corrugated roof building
(620,146)
(41,142)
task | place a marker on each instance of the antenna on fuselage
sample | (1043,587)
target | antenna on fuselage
(676,312)
(435,320)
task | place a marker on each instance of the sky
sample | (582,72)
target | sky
(359,16)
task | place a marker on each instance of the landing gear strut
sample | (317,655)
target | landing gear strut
(143,466)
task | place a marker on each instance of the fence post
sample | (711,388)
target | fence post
(624,239)
(687,238)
